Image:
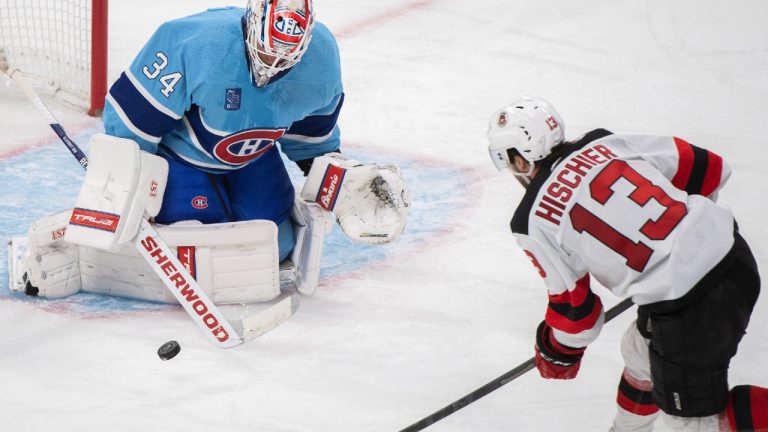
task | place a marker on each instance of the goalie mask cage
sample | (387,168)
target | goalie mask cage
(61,45)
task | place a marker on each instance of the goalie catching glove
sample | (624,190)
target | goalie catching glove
(371,202)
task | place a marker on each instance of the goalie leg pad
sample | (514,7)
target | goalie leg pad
(311,223)
(232,262)
(50,263)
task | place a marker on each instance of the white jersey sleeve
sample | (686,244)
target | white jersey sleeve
(574,312)
(690,168)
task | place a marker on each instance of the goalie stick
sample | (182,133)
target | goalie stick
(498,382)
(159,255)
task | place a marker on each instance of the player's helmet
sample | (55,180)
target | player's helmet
(529,125)
(277,35)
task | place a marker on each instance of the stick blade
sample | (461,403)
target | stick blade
(256,319)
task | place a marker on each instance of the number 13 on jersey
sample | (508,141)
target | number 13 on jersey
(637,254)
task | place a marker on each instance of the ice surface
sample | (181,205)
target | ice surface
(395,333)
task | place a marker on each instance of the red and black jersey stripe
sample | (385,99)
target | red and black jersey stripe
(635,400)
(699,171)
(574,311)
(748,408)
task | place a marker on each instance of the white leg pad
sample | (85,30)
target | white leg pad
(50,262)
(123,274)
(233,262)
(236,262)
(311,223)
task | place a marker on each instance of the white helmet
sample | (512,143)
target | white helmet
(277,35)
(529,125)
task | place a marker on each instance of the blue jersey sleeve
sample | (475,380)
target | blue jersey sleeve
(314,135)
(150,98)
(316,132)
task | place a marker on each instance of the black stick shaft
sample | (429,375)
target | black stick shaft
(498,382)
(46,113)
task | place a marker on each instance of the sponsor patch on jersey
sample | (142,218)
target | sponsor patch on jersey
(232,99)
(94,219)
(200,202)
(245,146)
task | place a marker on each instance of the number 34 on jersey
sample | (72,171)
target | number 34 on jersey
(168,80)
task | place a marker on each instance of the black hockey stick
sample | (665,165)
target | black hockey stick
(498,382)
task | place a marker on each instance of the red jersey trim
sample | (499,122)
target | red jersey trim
(714,174)
(574,311)
(684,164)
(699,171)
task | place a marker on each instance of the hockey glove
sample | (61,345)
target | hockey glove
(553,359)
(371,202)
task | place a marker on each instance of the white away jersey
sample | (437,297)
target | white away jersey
(631,211)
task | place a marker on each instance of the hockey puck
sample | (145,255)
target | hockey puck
(168,350)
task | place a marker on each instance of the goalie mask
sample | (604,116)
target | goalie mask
(277,35)
(529,126)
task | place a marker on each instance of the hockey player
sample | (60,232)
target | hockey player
(195,121)
(637,214)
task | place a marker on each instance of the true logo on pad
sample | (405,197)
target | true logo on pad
(94,219)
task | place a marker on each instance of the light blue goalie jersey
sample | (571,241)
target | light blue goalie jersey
(189,95)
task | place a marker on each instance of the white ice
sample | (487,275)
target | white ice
(399,334)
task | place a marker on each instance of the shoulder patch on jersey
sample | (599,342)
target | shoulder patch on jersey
(232,98)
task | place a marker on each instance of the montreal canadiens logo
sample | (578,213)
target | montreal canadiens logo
(289,26)
(200,202)
(243,147)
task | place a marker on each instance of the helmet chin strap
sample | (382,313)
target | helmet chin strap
(523,180)
(523,177)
